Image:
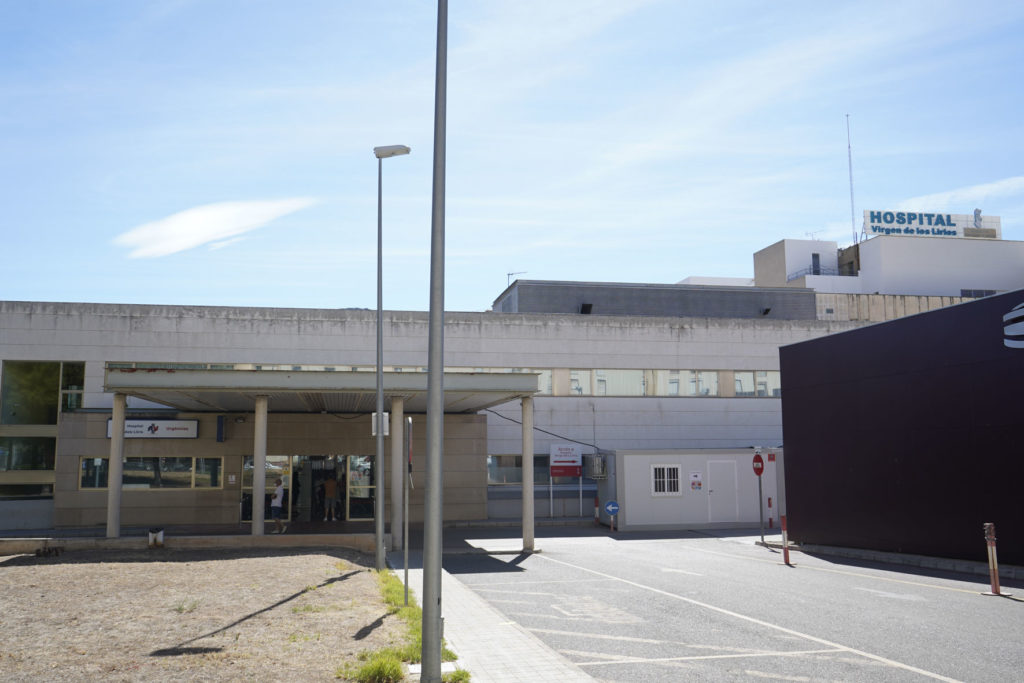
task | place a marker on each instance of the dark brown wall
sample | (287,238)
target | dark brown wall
(907,436)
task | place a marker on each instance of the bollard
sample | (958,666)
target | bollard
(770,513)
(993,561)
(785,541)
(597,511)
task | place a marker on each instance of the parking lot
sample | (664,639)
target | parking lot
(698,607)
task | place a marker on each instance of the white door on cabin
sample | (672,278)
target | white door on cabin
(723,503)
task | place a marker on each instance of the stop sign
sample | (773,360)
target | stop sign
(758,464)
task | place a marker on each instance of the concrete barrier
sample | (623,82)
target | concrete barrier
(19,546)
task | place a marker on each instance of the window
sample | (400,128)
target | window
(27,453)
(32,391)
(744,383)
(701,382)
(665,480)
(29,393)
(504,469)
(155,473)
(620,383)
(72,383)
(94,473)
(769,383)
(579,382)
(544,382)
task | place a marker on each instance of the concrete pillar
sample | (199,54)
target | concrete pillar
(398,469)
(528,474)
(115,467)
(259,466)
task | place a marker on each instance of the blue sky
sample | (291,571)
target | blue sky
(220,152)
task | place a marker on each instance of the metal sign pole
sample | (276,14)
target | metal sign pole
(405,506)
(760,506)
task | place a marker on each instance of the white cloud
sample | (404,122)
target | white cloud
(211,223)
(961,197)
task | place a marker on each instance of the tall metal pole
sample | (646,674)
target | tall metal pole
(432,620)
(378,465)
(849,158)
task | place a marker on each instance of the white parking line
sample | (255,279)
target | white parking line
(602,659)
(680,571)
(759,622)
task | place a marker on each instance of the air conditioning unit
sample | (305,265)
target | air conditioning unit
(596,466)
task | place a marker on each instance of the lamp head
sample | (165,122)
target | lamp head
(390,151)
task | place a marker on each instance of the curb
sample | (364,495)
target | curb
(1007,571)
(55,546)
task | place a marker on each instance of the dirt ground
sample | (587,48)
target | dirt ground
(189,615)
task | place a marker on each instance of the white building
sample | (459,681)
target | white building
(643,369)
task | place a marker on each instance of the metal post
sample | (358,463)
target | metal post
(397,470)
(993,560)
(760,506)
(432,620)
(378,464)
(785,540)
(405,505)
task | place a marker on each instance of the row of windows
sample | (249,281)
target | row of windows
(572,381)
(155,473)
(744,383)
(508,469)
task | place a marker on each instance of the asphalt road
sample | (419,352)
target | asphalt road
(693,607)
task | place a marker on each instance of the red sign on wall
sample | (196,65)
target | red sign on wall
(566,460)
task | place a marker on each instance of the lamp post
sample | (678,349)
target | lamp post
(381,153)
(432,624)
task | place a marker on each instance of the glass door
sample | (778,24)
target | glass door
(361,487)
(278,467)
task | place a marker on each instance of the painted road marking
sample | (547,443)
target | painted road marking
(838,571)
(894,596)
(603,659)
(760,622)
(679,571)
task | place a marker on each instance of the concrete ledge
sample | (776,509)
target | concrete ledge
(361,542)
(1006,571)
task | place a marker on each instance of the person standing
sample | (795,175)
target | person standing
(330,496)
(277,507)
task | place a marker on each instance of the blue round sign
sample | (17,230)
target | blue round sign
(611,507)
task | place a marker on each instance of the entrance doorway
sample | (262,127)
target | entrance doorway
(278,466)
(309,482)
(723,500)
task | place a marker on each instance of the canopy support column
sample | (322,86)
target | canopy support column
(115,467)
(528,508)
(259,466)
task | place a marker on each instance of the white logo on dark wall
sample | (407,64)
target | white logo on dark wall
(1013,327)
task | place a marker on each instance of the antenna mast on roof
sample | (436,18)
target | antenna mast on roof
(849,157)
(509,283)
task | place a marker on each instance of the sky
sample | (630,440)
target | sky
(220,152)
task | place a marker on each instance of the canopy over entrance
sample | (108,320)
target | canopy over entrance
(307,389)
(261,389)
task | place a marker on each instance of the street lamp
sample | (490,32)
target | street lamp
(378,504)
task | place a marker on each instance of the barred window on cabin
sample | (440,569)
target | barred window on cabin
(665,480)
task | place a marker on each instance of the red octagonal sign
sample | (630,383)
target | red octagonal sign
(758,464)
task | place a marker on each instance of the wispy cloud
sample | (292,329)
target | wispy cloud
(959,198)
(218,224)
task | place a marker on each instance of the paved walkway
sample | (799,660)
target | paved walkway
(492,648)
